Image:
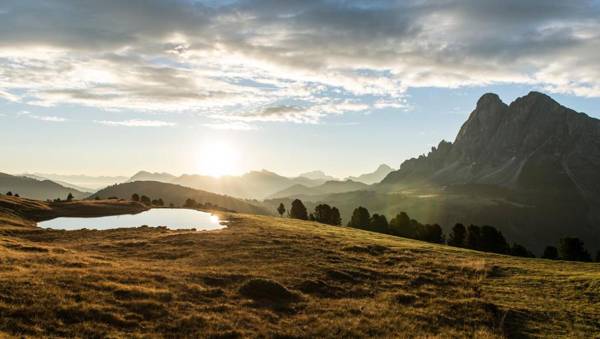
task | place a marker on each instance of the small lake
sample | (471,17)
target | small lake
(172,218)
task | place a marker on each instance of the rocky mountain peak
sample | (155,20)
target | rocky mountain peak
(489,99)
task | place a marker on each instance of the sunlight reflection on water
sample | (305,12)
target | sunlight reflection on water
(172,218)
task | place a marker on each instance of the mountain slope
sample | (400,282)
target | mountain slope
(149,176)
(252,185)
(176,194)
(36,189)
(329,187)
(374,177)
(79,180)
(60,182)
(317,175)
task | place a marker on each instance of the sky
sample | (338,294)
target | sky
(223,87)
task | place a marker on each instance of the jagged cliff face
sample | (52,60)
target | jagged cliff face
(533,144)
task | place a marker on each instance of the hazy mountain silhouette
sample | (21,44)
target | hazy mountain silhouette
(60,182)
(329,187)
(36,189)
(317,175)
(374,177)
(252,185)
(150,176)
(80,182)
(177,194)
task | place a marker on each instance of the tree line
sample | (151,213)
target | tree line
(147,200)
(484,238)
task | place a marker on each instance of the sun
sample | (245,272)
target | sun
(218,158)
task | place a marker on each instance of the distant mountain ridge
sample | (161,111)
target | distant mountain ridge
(330,187)
(149,176)
(80,182)
(177,194)
(317,175)
(374,177)
(36,189)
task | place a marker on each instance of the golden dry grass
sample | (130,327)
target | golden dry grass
(275,277)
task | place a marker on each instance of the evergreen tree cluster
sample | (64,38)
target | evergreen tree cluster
(327,215)
(146,200)
(484,238)
(571,249)
(401,225)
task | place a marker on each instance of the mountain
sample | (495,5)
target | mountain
(252,185)
(60,182)
(150,176)
(531,168)
(36,189)
(374,177)
(177,195)
(330,187)
(317,175)
(80,182)
(532,144)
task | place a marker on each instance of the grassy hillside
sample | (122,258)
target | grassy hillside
(281,277)
(36,189)
(25,212)
(177,195)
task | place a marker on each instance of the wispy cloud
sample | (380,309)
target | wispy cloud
(136,123)
(49,118)
(232,125)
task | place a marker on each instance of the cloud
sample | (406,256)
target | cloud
(233,125)
(136,123)
(49,118)
(239,60)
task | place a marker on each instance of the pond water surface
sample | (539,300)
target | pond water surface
(172,218)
